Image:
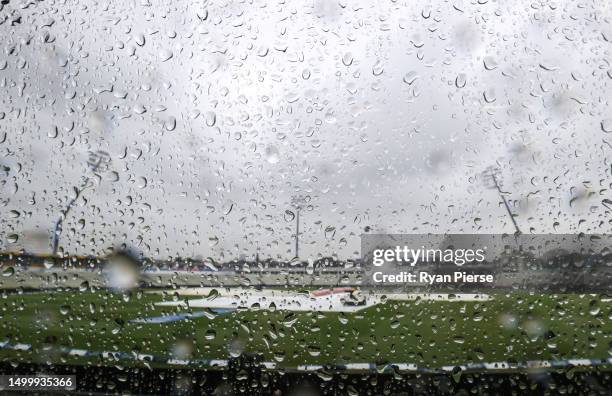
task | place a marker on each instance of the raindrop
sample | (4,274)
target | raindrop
(594,308)
(378,69)
(211,118)
(214,293)
(325,376)
(142,182)
(272,154)
(139,39)
(170,124)
(53,132)
(227,209)
(84,286)
(549,67)
(347,59)
(410,77)
(279,356)
(490,63)
(314,350)
(210,334)
(456,374)
(112,176)
(235,348)
(489,95)
(165,55)
(460,81)
(210,263)
(289,320)
(606,125)
(289,216)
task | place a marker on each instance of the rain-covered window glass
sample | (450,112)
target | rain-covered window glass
(306,197)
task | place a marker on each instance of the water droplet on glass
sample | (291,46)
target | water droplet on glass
(289,216)
(549,67)
(211,118)
(165,55)
(227,209)
(272,154)
(139,39)
(347,59)
(461,80)
(489,95)
(139,109)
(170,124)
(378,69)
(314,350)
(210,334)
(330,231)
(52,132)
(490,63)
(410,77)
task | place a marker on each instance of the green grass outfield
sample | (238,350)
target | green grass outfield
(515,327)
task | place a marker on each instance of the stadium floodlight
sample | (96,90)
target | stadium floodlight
(98,162)
(490,178)
(297,202)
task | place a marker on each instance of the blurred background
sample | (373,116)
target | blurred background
(222,120)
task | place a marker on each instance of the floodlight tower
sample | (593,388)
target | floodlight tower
(98,162)
(297,202)
(490,176)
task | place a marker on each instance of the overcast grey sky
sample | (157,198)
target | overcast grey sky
(382,114)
